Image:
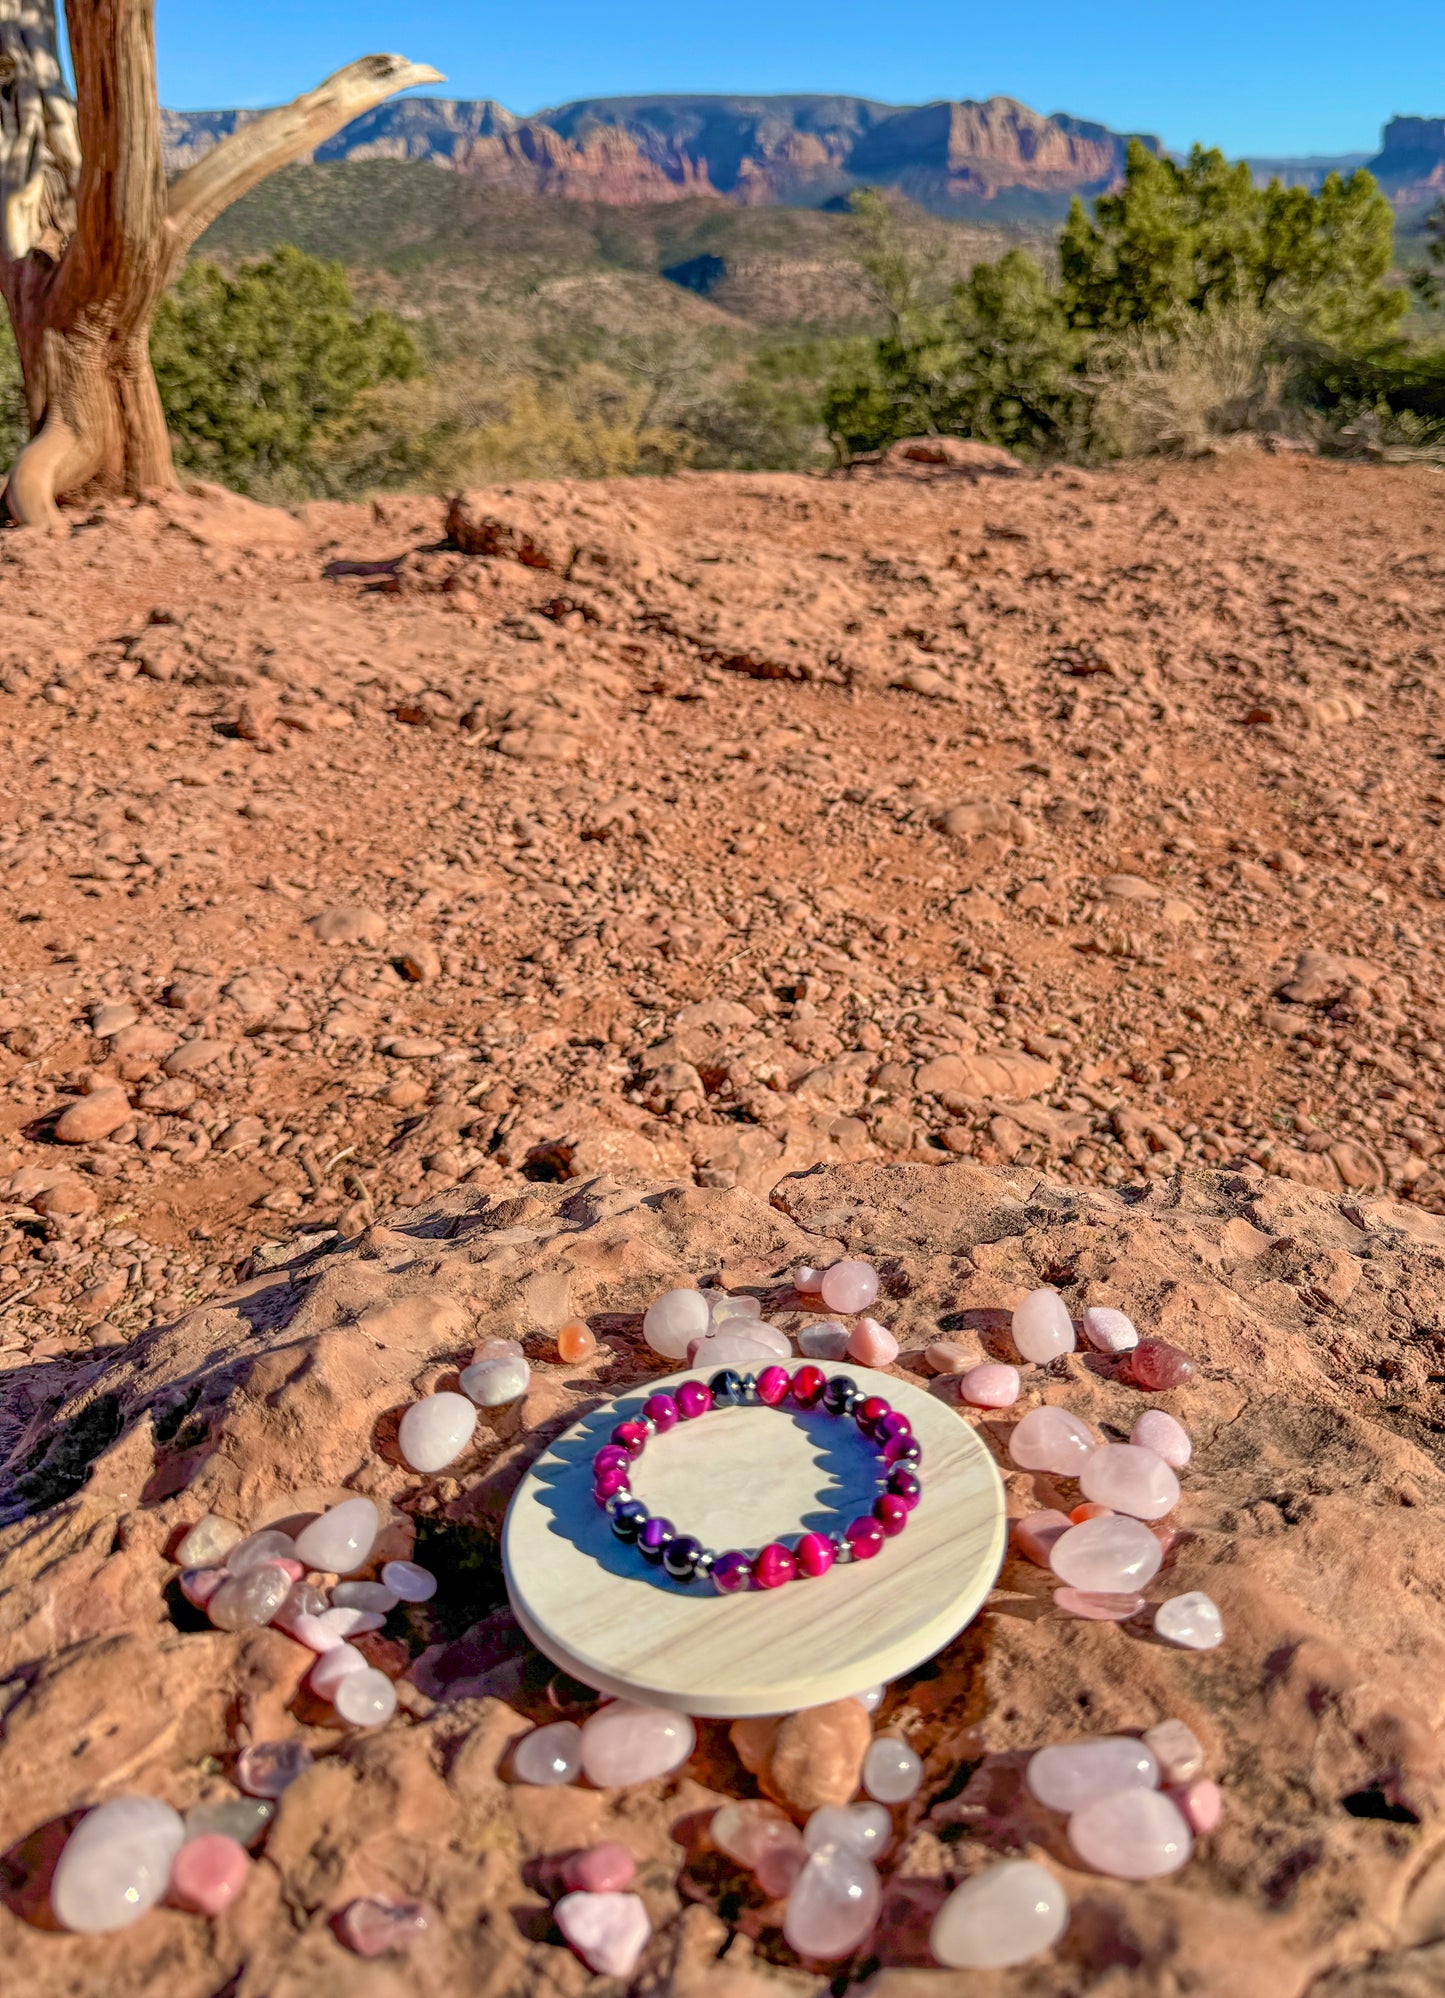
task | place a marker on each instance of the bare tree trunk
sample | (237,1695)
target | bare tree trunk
(90,235)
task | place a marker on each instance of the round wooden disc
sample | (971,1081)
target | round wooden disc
(740,1477)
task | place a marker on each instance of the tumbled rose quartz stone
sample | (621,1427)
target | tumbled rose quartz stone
(1131,1835)
(861,1828)
(723,1306)
(990,1386)
(1070,1774)
(116,1864)
(1191,1621)
(408,1582)
(892,1771)
(748,1831)
(434,1432)
(872,1344)
(1037,1534)
(674,1319)
(267,1768)
(1010,1912)
(209,1541)
(1042,1327)
(1112,1556)
(198,1585)
(245,1601)
(551,1754)
(495,1383)
(1177,1749)
(497,1349)
(1158,1431)
(1201,1804)
(380,1927)
(599,1869)
(1097,1608)
(1050,1439)
(366,1699)
(623,1743)
(340,1540)
(870,1700)
(807,1282)
(1108,1330)
(259,1548)
(1155,1365)
(208,1873)
(826,1341)
(341,1622)
(575,1341)
(1130,1479)
(608,1931)
(745,1350)
(849,1286)
(332,1667)
(834,1904)
(364,1596)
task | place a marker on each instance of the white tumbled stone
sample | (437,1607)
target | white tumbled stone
(116,1864)
(1108,1330)
(673,1320)
(892,1771)
(495,1383)
(1069,1774)
(435,1432)
(340,1541)
(366,1699)
(1191,1621)
(1006,1914)
(1042,1327)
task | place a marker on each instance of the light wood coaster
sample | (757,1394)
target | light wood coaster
(739,1477)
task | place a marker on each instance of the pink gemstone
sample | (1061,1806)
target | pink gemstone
(693,1399)
(1112,1556)
(1050,1439)
(662,1409)
(1132,1835)
(774,1566)
(610,1458)
(891,1513)
(866,1537)
(1201,1803)
(807,1280)
(872,1344)
(378,1927)
(780,1866)
(267,1768)
(990,1386)
(834,1904)
(608,1931)
(762,1838)
(814,1553)
(208,1873)
(773,1385)
(600,1869)
(1131,1480)
(609,1484)
(1036,1534)
(849,1286)
(1155,1365)
(311,1631)
(631,1437)
(1158,1431)
(1109,1330)
(1096,1607)
(198,1585)
(1042,1327)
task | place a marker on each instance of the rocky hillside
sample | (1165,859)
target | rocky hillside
(1410,165)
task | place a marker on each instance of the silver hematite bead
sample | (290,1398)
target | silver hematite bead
(842,1548)
(647,1422)
(617,1499)
(750,1387)
(704,1561)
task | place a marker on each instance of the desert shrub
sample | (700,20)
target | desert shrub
(14,419)
(1205,375)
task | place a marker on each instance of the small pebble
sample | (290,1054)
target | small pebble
(722,1305)
(608,1931)
(497,1349)
(673,1320)
(807,1282)
(434,1432)
(764,1839)
(1112,1556)
(1132,1835)
(599,1869)
(551,1754)
(267,1768)
(990,1386)
(1008,1913)
(1050,1439)
(1177,1749)
(312,1629)
(871,1698)
(892,1771)
(1097,1608)
(1201,1804)
(1042,1327)
(575,1342)
(849,1286)
(1037,1533)
(1158,1431)
(380,1927)
(863,1828)
(409,1583)
(366,1699)
(340,1622)
(1108,1330)
(496,1383)
(1070,1774)
(339,1542)
(1191,1621)
(872,1344)
(208,1873)
(825,1341)
(245,1819)
(623,1743)
(209,1541)
(115,1865)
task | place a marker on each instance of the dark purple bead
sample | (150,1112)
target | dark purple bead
(680,1557)
(894,1426)
(653,1540)
(839,1391)
(628,1519)
(610,1458)
(631,1437)
(905,1484)
(693,1400)
(726,1388)
(901,1450)
(731,1572)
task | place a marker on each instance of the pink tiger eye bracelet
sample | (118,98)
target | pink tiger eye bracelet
(683,1556)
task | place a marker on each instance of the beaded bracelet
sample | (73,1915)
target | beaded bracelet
(683,1557)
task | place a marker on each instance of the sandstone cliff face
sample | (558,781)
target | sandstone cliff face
(1410,165)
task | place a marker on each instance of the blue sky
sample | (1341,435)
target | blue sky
(1251,75)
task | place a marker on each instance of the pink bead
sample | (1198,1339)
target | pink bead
(609,1484)
(990,1386)
(1098,1608)
(774,1566)
(1158,1431)
(872,1344)
(814,1554)
(631,1437)
(662,1409)
(866,1536)
(600,1869)
(1035,1534)
(849,1286)
(610,1458)
(773,1385)
(1201,1803)
(693,1399)
(1050,1439)
(891,1513)
(208,1873)
(377,1927)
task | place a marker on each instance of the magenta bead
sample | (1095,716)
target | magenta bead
(693,1398)
(866,1536)
(808,1386)
(610,1483)
(731,1572)
(895,1428)
(891,1513)
(773,1385)
(872,1413)
(814,1554)
(900,1449)
(610,1458)
(662,1409)
(774,1566)
(631,1437)
(904,1485)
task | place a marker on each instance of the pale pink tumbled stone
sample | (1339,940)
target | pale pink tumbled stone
(377,1926)
(1070,1774)
(1050,1439)
(1038,1532)
(849,1286)
(608,1931)
(623,1743)
(1158,1431)
(599,1869)
(1132,1835)
(834,1904)
(1177,1749)
(1008,1913)
(673,1320)
(1097,1608)
(115,1864)
(1042,1327)
(825,1341)
(872,1344)
(312,1631)
(208,1873)
(1201,1804)
(198,1585)
(1191,1621)
(551,1754)
(267,1768)
(1109,1556)
(862,1828)
(745,1831)
(990,1386)
(1130,1479)
(807,1282)
(1108,1330)
(741,1343)
(496,1349)
(332,1667)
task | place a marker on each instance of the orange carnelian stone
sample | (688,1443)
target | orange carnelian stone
(574,1341)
